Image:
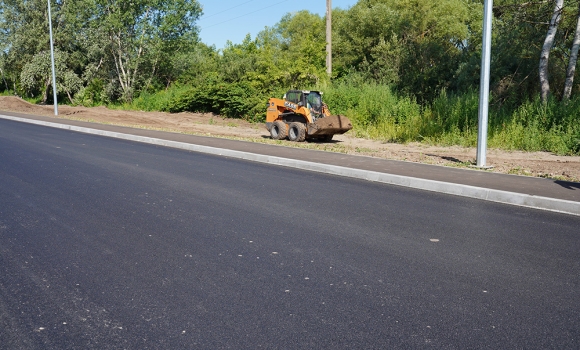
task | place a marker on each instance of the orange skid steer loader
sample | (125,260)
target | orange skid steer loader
(302,115)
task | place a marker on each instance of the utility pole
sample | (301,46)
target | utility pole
(329,37)
(52,61)
(484,86)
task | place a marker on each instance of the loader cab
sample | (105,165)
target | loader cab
(310,99)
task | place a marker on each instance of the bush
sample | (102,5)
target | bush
(375,111)
(237,100)
(158,101)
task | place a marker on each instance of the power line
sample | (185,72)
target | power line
(226,10)
(250,13)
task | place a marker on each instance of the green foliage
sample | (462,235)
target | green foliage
(453,114)
(376,111)
(144,35)
(452,119)
(237,100)
(91,95)
(195,99)
(241,100)
(157,101)
(197,66)
(131,45)
(36,75)
(415,45)
(534,126)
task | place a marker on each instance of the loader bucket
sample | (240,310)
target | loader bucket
(331,125)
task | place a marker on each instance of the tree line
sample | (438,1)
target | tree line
(423,56)
(111,50)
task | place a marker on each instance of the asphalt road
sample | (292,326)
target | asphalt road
(111,244)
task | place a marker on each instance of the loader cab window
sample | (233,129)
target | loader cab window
(315,102)
(294,96)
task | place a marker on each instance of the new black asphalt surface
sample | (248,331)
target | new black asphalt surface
(511,183)
(106,243)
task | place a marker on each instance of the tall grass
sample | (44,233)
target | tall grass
(535,126)
(376,112)
(452,119)
(159,101)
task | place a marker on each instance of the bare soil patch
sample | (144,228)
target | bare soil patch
(541,164)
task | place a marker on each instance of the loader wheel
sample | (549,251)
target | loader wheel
(278,130)
(297,132)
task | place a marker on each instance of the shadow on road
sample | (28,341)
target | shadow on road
(267,137)
(569,185)
(451,159)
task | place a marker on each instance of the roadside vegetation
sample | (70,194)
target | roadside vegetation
(404,70)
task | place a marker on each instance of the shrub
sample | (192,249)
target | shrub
(237,100)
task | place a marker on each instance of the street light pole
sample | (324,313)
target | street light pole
(52,60)
(484,86)
(329,37)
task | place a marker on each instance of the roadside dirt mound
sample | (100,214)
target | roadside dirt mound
(541,164)
(11,103)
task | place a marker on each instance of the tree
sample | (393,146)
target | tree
(144,33)
(367,40)
(573,60)
(415,45)
(37,75)
(128,45)
(518,40)
(547,47)
(289,54)
(2,70)
(23,33)
(196,66)
(303,45)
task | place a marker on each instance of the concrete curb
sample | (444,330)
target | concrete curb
(519,199)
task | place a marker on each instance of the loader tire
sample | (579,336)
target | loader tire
(297,132)
(279,131)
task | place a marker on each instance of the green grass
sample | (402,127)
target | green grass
(376,112)
(379,113)
(158,101)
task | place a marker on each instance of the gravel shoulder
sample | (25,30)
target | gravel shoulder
(540,164)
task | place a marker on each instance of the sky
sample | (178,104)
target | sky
(225,20)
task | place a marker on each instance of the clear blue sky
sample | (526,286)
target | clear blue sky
(225,20)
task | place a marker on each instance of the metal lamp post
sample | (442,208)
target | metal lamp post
(52,61)
(484,86)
